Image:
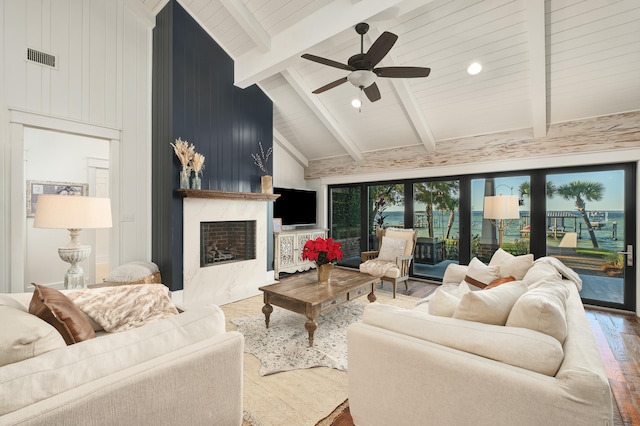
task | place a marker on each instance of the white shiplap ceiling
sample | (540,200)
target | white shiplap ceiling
(543,63)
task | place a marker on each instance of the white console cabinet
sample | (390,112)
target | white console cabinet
(288,250)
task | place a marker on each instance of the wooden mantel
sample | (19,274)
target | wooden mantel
(226,195)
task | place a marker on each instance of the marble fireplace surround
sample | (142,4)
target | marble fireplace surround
(225,282)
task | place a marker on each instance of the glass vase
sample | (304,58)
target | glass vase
(196,182)
(184,178)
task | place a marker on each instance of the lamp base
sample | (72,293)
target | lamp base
(74,278)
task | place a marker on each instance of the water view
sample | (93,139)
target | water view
(608,228)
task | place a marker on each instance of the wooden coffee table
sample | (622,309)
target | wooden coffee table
(304,295)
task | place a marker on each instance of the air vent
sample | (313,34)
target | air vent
(41,58)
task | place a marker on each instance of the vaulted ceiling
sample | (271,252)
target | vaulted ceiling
(542,63)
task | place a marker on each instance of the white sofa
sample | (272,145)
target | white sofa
(408,367)
(185,369)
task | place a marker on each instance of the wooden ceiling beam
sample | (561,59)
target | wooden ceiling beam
(292,150)
(288,45)
(249,24)
(312,101)
(538,66)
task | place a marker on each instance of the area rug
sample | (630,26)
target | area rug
(284,346)
(296,397)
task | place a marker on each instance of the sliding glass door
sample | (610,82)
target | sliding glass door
(590,227)
(437,220)
(386,209)
(584,216)
(345,223)
(486,232)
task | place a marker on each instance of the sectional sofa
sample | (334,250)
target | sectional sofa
(183,369)
(520,353)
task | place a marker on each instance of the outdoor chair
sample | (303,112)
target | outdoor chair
(392,261)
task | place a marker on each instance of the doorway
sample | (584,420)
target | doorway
(52,156)
(590,227)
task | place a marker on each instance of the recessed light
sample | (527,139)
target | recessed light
(474,68)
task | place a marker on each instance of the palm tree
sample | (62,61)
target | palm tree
(450,205)
(378,199)
(525,189)
(581,191)
(436,195)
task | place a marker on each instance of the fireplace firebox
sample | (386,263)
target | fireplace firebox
(227,241)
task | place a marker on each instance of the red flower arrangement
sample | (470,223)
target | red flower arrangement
(322,251)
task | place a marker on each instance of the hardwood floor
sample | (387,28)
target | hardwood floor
(618,338)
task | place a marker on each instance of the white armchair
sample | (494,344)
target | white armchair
(391,263)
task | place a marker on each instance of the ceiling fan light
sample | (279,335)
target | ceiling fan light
(356,103)
(474,68)
(361,78)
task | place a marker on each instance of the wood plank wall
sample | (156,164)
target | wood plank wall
(194,99)
(101,85)
(601,134)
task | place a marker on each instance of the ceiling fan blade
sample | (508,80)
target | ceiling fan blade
(329,62)
(401,72)
(372,92)
(380,48)
(331,85)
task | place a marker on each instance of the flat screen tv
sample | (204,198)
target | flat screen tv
(295,206)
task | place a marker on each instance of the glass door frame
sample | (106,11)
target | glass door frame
(538,221)
(538,207)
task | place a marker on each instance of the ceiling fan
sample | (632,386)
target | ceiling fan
(363,74)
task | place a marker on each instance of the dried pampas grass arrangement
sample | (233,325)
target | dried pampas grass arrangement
(184,152)
(197,162)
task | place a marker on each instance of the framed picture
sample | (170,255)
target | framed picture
(277,225)
(35,188)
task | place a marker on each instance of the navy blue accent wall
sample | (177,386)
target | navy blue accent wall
(194,99)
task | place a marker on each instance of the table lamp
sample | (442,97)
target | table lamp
(501,210)
(75,213)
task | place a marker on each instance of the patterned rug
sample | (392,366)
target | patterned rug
(284,346)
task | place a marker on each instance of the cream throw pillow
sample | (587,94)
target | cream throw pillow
(541,272)
(490,306)
(479,274)
(510,265)
(444,303)
(23,336)
(391,248)
(403,234)
(454,273)
(11,302)
(542,309)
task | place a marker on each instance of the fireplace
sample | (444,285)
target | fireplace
(227,241)
(241,266)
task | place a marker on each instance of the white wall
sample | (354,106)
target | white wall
(287,172)
(100,88)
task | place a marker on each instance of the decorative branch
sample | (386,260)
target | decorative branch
(260,158)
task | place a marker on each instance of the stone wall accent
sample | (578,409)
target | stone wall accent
(612,132)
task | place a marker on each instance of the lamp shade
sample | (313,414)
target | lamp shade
(72,212)
(501,207)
